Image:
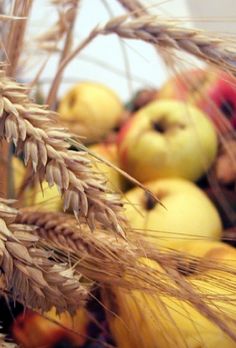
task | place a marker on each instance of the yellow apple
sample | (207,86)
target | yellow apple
(41,198)
(139,319)
(107,152)
(45,198)
(188,214)
(18,172)
(90,110)
(167,138)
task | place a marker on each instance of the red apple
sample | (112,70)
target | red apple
(32,330)
(213,91)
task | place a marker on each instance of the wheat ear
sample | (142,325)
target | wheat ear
(28,272)
(102,257)
(167,34)
(35,132)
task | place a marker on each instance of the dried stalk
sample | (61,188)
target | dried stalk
(53,90)
(72,11)
(66,12)
(166,34)
(48,41)
(28,273)
(35,132)
(15,38)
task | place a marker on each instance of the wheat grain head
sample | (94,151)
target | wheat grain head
(29,273)
(36,133)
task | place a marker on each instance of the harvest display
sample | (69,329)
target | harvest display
(117,217)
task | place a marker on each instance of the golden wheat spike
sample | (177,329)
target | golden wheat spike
(35,132)
(168,34)
(29,274)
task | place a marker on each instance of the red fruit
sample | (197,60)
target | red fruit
(213,91)
(31,330)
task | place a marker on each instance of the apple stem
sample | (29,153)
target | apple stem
(150,201)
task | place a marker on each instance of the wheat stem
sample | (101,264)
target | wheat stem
(16,34)
(65,62)
(65,26)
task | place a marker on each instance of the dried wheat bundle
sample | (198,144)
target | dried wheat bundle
(167,34)
(115,262)
(35,132)
(28,272)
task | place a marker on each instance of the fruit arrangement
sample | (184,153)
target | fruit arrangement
(117,217)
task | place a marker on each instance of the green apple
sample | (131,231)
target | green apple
(186,213)
(167,138)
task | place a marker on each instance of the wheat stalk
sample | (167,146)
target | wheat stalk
(67,12)
(167,34)
(34,131)
(28,272)
(15,38)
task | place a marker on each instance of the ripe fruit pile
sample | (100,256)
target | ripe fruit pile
(170,142)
